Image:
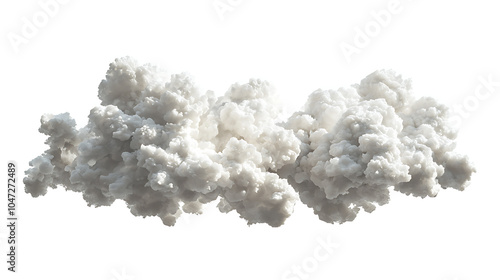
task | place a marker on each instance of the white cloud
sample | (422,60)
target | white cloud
(159,143)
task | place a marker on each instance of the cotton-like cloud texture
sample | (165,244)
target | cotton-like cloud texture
(164,147)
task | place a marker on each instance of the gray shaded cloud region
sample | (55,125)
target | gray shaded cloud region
(164,147)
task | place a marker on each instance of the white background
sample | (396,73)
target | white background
(444,47)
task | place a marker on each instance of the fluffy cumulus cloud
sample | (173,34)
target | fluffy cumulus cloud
(163,146)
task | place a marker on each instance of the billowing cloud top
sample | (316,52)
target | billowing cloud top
(165,148)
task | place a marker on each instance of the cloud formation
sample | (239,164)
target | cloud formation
(165,148)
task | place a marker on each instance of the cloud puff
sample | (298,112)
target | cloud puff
(358,142)
(161,145)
